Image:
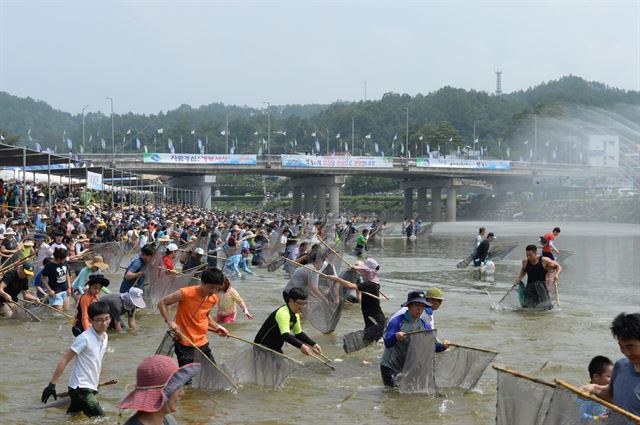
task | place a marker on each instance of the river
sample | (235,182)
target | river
(600,280)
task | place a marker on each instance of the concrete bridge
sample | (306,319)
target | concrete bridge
(315,178)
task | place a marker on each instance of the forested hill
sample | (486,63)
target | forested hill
(444,119)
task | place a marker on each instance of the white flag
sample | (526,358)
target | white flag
(223,133)
(526,142)
(255,133)
(173,150)
(481,151)
(547,144)
(428,148)
(160,130)
(346,147)
(90,138)
(38,147)
(103,143)
(420,138)
(553,155)
(199,144)
(458,150)
(145,149)
(232,150)
(508,153)
(338,136)
(295,142)
(475,141)
(138,143)
(129,131)
(1,138)
(317,146)
(530,153)
(368,136)
(264,142)
(260,151)
(81,150)
(402,149)
(69,143)
(193,131)
(170,144)
(313,134)
(375,146)
(29,135)
(393,147)
(451,139)
(284,133)
(395,137)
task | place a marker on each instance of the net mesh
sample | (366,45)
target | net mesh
(535,296)
(211,377)
(567,408)
(388,230)
(521,401)
(274,248)
(418,372)
(111,252)
(461,367)
(425,231)
(258,366)
(161,283)
(499,251)
(324,312)
(166,347)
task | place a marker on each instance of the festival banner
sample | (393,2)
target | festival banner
(196,159)
(94,181)
(462,163)
(311,161)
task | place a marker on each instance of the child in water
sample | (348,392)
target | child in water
(228,297)
(600,369)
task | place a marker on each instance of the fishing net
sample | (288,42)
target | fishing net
(211,377)
(498,252)
(461,367)
(324,312)
(464,263)
(425,230)
(388,230)
(258,366)
(534,296)
(563,255)
(568,408)
(111,252)
(162,283)
(418,372)
(355,341)
(521,401)
(166,347)
(273,249)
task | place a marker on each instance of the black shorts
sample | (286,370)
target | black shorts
(185,354)
(549,255)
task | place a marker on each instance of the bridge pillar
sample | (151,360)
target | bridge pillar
(408,203)
(334,199)
(451,204)
(309,191)
(436,204)
(296,204)
(422,203)
(321,200)
(204,183)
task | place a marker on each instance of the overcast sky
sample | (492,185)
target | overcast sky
(151,55)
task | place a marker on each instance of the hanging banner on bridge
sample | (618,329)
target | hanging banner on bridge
(94,181)
(462,163)
(185,158)
(311,161)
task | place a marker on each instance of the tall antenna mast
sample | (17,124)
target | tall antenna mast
(498,72)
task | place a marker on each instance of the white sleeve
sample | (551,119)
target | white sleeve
(79,344)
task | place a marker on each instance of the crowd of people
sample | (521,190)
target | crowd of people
(56,253)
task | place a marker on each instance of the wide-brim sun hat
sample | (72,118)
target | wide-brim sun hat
(135,295)
(97,261)
(157,377)
(368,269)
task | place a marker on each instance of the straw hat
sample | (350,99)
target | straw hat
(164,238)
(98,262)
(157,378)
(9,232)
(28,243)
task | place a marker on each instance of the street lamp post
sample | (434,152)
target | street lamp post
(85,107)
(406,145)
(113,140)
(268,127)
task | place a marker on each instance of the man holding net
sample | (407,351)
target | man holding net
(536,267)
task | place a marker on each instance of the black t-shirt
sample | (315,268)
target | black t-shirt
(56,275)
(482,250)
(370,306)
(15,285)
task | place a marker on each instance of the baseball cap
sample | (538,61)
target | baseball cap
(434,293)
(172,247)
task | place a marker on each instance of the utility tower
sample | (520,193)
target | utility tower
(498,72)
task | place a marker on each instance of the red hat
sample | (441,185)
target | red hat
(157,377)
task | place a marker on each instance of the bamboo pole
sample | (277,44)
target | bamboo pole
(264,348)
(50,307)
(25,310)
(329,277)
(591,397)
(186,338)
(522,375)
(324,362)
(484,350)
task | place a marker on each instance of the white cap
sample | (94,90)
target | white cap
(199,251)
(172,247)
(136,297)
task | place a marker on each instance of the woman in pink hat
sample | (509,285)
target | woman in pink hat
(159,387)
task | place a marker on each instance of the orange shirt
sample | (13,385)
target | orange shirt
(192,316)
(82,313)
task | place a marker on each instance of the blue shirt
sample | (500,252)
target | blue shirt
(135,266)
(625,386)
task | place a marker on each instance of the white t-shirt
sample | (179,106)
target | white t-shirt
(89,353)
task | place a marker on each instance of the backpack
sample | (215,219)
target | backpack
(543,241)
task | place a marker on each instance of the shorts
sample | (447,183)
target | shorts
(84,400)
(58,299)
(230,318)
(549,255)
(185,354)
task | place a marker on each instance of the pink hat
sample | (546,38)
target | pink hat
(368,269)
(157,377)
